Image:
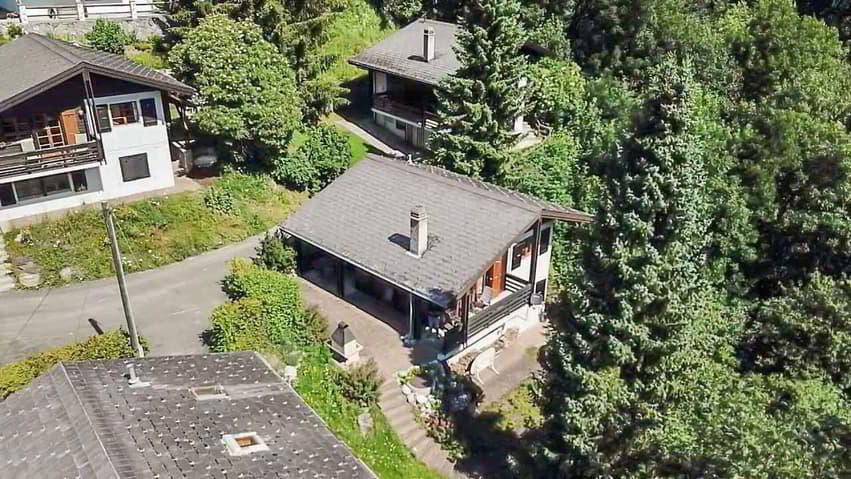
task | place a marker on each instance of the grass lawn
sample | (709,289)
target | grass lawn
(152,232)
(381,449)
(358,27)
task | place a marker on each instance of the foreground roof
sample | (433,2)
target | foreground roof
(401,53)
(83,420)
(33,63)
(363,217)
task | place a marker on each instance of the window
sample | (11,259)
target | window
(14,129)
(47,132)
(134,167)
(41,187)
(104,125)
(149,111)
(123,113)
(400,125)
(80,182)
(7,195)
(546,234)
(541,287)
(203,393)
(521,250)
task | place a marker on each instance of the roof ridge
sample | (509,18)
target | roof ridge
(79,400)
(471,185)
(55,46)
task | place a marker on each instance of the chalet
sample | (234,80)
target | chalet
(455,260)
(79,126)
(196,416)
(406,68)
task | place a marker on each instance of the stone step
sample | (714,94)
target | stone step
(407,427)
(417,441)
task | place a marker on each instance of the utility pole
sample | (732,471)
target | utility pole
(122,282)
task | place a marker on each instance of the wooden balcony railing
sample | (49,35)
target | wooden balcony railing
(492,314)
(14,164)
(387,104)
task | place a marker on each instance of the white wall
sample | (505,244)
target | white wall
(543,266)
(105,179)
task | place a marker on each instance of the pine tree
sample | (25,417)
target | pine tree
(643,260)
(478,105)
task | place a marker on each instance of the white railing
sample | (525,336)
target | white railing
(83,10)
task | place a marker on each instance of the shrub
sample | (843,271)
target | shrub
(111,345)
(401,12)
(220,200)
(239,326)
(324,155)
(107,36)
(275,255)
(360,383)
(281,312)
(315,325)
(14,31)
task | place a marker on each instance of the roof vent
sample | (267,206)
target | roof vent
(204,393)
(244,443)
(428,43)
(133,379)
(419,231)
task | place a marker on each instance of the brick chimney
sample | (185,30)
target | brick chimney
(428,43)
(419,231)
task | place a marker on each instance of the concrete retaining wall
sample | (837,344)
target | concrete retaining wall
(142,28)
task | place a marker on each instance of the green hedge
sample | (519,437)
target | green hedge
(18,375)
(266,310)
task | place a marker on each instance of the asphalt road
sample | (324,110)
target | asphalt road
(172,306)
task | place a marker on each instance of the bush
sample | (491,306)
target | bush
(14,31)
(108,36)
(220,200)
(402,12)
(360,383)
(275,255)
(323,156)
(111,345)
(277,307)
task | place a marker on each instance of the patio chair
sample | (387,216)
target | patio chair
(486,297)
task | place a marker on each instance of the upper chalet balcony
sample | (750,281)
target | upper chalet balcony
(395,106)
(16,162)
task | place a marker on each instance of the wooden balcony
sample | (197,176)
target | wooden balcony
(387,104)
(24,163)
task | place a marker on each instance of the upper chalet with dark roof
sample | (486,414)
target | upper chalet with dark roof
(200,416)
(427,241)
(79,126)
(405,69)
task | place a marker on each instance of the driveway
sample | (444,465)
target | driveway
(172,307)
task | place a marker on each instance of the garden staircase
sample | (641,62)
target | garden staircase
(400,416)
(7,279)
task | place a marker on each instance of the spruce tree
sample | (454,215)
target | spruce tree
(477,106)
(643,260)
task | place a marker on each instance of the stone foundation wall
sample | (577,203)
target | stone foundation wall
(142,28)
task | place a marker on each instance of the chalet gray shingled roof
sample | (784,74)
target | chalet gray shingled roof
(363,217)
(33,62)
(83,420)
(401,53)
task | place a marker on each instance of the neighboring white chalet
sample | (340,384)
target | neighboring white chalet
(450,259)
(79,126)
(405,69)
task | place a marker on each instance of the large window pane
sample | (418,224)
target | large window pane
(7,196)
(134,167)
(29,189)
(149,111)
(81,183)
(123,113)
(56,184)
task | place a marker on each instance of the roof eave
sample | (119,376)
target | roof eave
(566,216)
(369,66)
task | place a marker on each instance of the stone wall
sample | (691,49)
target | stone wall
(142,28)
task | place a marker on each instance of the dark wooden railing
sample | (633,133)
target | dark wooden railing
(13,164)
(489,316)
(387,104)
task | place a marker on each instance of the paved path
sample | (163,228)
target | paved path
(172,306)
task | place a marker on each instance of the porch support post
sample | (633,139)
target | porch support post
(299,257)
(411,330)
(536,246)
(91,110)
(465,308)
